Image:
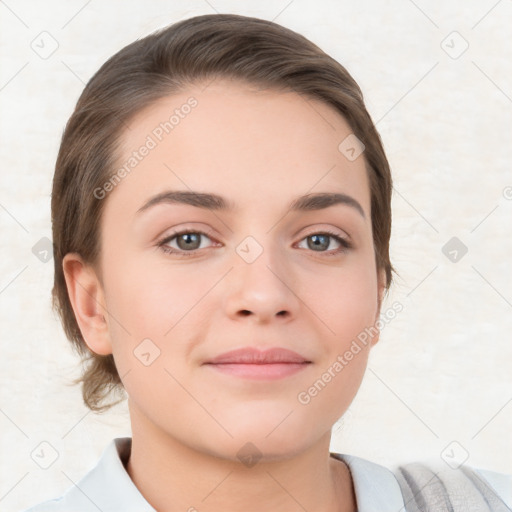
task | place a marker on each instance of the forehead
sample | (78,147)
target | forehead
(238,141)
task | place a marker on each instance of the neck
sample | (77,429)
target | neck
(173,476)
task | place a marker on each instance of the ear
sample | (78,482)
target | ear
(381,278)
(87,299)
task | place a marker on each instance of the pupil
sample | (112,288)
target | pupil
(317,243)
(188,240)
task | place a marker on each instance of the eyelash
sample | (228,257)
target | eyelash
(345,244)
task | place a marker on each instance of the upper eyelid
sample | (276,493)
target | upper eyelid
(210,234)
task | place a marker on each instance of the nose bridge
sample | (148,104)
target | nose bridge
(260,259)
(260,280)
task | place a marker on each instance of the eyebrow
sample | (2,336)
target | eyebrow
(308,202)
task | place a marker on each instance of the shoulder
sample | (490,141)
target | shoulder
(416,486)
(500,482)
(376,487)
(456,488)
(107,486)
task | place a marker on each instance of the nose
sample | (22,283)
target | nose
(262,288)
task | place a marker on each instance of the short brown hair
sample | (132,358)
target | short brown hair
(197,49)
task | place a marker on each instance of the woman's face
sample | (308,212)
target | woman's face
(256,273)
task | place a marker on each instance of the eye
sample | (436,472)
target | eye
(188,241)
(321,240)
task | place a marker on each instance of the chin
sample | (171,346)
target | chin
(271,439)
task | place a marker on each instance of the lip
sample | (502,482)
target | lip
(253,356)
(251,363)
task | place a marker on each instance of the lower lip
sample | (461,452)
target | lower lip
(260,371)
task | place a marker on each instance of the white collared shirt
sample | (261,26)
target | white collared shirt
(108,487)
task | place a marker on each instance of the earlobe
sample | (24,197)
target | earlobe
(87,299)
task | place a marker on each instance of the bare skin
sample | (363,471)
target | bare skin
(260,150)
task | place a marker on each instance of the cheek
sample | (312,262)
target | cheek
(328,394)
(151,298)
(345,301)
(153,313)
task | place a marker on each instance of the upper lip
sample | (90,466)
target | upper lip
(250,355)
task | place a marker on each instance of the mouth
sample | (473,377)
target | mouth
(250,363)
(269,371)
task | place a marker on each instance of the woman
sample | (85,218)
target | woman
(221,223)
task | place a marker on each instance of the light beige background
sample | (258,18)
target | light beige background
(441,375)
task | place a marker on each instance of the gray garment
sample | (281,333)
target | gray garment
(445,489)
